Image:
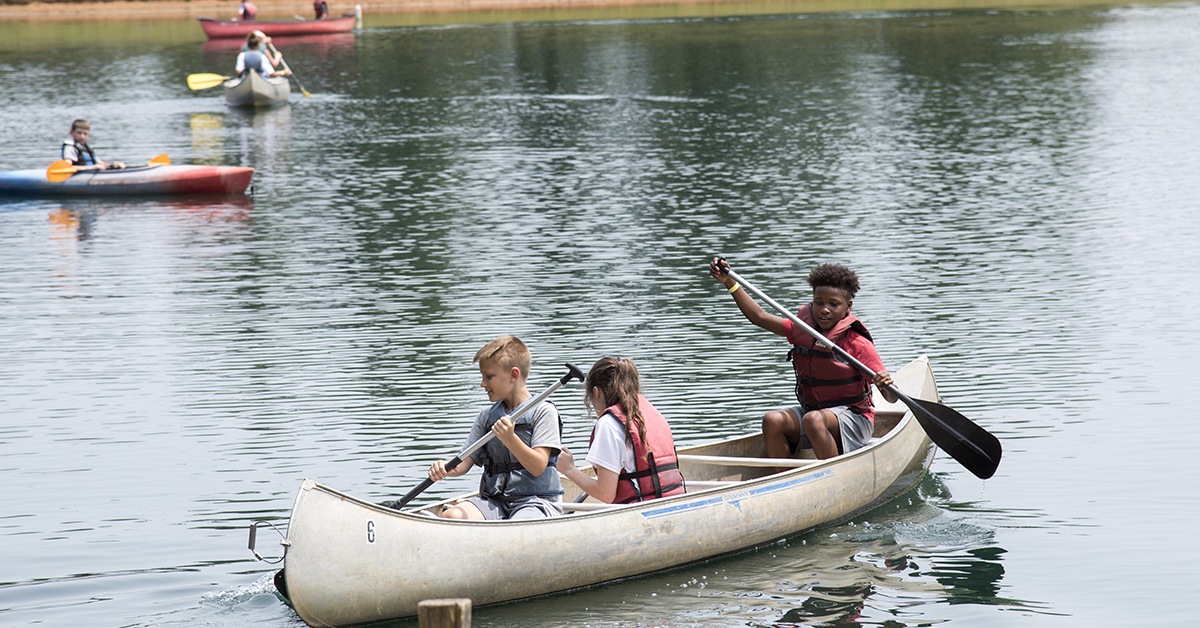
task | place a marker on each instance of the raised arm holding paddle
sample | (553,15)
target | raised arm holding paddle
(832,379)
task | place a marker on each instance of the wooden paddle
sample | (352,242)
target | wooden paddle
(62,169)
(573,372)
(205,81)
(972,446)
(285,66)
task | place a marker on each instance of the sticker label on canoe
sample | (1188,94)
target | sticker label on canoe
(735,498)
(370,531)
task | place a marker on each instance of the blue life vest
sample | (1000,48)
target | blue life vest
(504,479)
(83,153)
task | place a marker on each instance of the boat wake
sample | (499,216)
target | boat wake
(231,599)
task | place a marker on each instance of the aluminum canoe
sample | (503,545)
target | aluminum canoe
(219,29)
(348,561)
(256,91)
(136,180)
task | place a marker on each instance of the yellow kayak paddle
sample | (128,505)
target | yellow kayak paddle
(62,169)
(205,81)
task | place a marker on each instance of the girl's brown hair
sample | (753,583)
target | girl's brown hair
(620,384)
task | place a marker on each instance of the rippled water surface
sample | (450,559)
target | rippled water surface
(1017,190)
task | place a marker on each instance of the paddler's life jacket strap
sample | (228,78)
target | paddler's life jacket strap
(814,352)
(509,467)
(653,473)
(812,381)
(849,401)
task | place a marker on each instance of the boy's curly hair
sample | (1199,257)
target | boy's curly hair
(834,276)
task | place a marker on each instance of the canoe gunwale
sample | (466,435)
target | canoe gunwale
(349,561)
(217,28)
(415,514)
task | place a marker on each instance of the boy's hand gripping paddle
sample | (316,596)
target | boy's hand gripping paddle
(972,446)
(573,372)
(62,169)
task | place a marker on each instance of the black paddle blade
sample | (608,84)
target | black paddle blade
(972,446)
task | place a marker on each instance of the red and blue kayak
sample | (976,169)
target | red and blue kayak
(219,29)
(137,180)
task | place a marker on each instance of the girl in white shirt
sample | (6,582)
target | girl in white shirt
(614,388)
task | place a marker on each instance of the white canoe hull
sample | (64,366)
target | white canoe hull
(352,562)
(256,91)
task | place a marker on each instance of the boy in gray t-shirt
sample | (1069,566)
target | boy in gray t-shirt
(519,479)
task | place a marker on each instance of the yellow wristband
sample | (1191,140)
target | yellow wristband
(734,288)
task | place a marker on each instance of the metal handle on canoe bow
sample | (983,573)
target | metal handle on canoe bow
(573,372)
(254,535)
(972,446)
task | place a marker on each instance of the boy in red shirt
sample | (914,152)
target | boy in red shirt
(835,410)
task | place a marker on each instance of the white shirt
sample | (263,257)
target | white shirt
(609,449)
(264,68)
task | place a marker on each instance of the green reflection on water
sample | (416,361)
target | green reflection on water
(20,32)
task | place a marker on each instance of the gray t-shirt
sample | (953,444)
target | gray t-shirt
(543,418)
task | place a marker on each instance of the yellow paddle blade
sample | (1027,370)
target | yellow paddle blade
(205,81)
(160,160)
(60,170)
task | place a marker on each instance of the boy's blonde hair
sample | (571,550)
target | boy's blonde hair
(81,124)
(506,352)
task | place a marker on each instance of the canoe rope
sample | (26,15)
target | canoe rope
(254,533)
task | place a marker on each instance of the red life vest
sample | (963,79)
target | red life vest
(822,380)
(657,473)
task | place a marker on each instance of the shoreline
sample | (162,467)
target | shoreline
(284,9)
(92,10)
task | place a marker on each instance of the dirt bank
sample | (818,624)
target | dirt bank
(284,9)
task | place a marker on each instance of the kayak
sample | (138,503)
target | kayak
(256,91)
(218,29)
(137,180)
(348,561)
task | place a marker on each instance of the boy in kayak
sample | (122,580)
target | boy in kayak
(519,480)
(252,58)
(321,9)
(632,449)
(75,149)
(835,410)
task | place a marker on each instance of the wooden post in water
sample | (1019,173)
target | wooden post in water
(448,613)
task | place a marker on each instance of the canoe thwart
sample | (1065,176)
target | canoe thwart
(738,461)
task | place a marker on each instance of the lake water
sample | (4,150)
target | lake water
(1018,191)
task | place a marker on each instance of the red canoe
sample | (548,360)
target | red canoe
(219,29)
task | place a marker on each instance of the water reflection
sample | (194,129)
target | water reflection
(835,607)
(998,179)
(208,138)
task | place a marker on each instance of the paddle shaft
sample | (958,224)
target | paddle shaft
(62,169)
(293,74)
(923,414)
(573,372)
